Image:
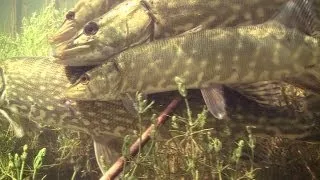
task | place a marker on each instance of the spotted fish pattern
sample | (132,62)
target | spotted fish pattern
(219,56)
(32,88)
(134,22)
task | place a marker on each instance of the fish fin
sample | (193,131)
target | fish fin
(311,138)
(107,151)
(17,128)
(313,103)
(265,93)
(194,30)
(302,15)
(129,105)
(308,80)
(214,99)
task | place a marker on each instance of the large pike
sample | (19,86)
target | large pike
(275,50)
(32,88)
(134,22)
(83,12)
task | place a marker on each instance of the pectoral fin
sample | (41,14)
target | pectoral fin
(107,151)
(302,15)
(265,93)
(129,106)
(309,80)
(17,128)
(214,99)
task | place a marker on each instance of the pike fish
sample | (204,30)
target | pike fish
(32,88)
(134,22)
(281,48)
(83,12)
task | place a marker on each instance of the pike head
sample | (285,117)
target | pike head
(123,26)
(83,12)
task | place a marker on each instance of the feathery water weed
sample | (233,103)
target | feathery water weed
(15,165)
(33,39)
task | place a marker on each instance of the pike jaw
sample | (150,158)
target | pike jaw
(83,51)
(122,27)
(96,83)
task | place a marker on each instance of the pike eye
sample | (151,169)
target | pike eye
(84,79)
(91,28)
(70,15)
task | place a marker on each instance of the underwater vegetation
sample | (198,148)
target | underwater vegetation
(191,152)
(35,30)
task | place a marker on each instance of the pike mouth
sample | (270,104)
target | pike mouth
(64,34)
(65,53)
(77,92)
(83,55)
(77,56)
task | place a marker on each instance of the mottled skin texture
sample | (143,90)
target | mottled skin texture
(33,90)
(34,87)
(135,22)
(219,56)
(84,11)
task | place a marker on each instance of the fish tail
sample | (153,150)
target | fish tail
(303,15)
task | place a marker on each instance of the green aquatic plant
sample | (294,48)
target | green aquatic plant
(141,106)
(192,152)
(35,30)
(15,166)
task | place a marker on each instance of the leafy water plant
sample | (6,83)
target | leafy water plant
(15,165)
(192,152)
(35,30)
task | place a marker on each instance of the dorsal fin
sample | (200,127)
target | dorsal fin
(303,15)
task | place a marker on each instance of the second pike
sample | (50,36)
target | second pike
(134,22)
(32,90)
(276,50)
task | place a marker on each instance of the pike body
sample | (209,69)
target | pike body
(134,22)
(219,56)
(32,88)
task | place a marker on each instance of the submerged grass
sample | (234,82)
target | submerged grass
(35,30)
(192,152)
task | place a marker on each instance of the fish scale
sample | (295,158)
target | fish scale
(201,59)
(36,90)
(223,55)
(32,91)
(29,94)
(134,22)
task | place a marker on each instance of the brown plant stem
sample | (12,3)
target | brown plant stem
(117,167)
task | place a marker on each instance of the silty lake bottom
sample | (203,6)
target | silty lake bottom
(59,145)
